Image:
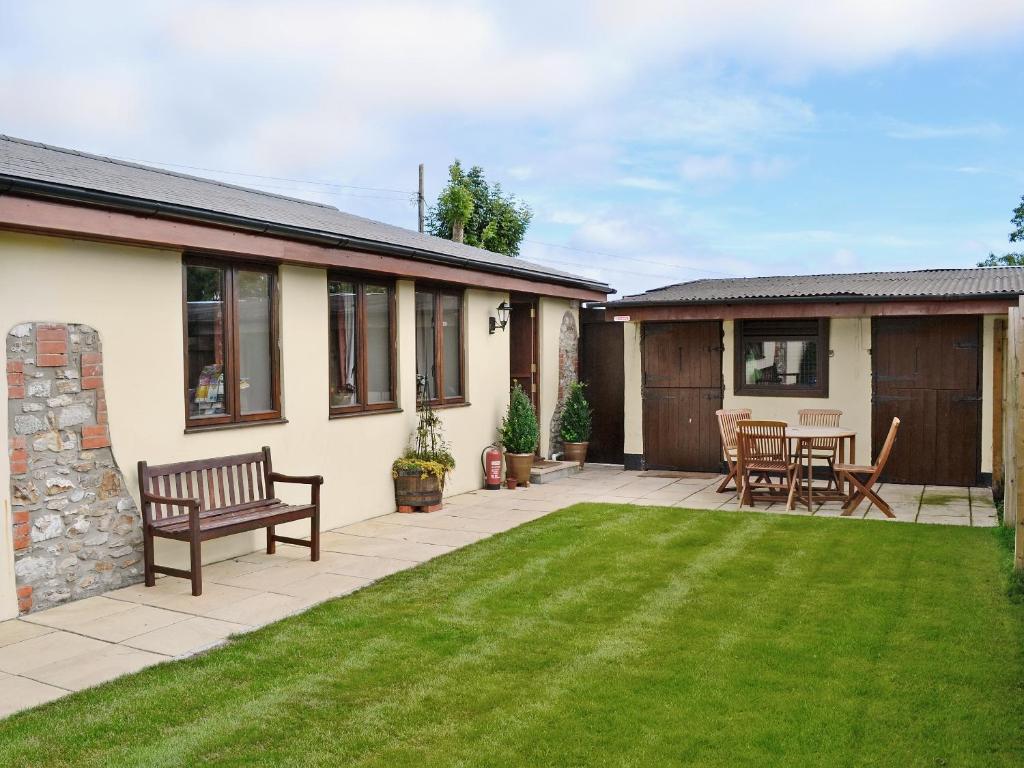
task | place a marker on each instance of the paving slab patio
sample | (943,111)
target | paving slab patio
(48,654)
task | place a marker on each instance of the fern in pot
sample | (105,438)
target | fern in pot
(576,424)
(518,435)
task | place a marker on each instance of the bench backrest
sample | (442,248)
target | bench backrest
(226,481)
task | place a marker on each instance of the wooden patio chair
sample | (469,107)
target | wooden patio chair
(727,429)
(824,449)
(764,450)
(862,478)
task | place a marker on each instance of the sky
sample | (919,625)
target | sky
(656,142)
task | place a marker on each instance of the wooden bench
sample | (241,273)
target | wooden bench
(195,501)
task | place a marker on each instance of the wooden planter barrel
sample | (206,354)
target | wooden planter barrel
(414,490)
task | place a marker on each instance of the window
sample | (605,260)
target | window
(362,345)
(439,344)
(782,357)
(231,344)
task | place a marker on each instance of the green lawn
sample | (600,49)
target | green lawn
(602,635)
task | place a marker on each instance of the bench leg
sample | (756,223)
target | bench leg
(271,544)
(147,556)
(196,570)
(314,536)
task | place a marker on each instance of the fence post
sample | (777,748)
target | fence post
(1010,421)
(1017,322)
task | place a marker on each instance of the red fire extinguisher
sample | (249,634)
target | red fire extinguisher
(490,461)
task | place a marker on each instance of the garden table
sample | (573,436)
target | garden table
(804,437)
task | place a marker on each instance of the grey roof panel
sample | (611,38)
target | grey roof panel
(21,159)
(919,284)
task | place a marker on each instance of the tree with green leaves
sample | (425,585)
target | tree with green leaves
(470,210)
(519,432)
(1016,236)
(576,420)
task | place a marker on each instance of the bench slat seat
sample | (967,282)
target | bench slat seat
(196,501)
(240,520)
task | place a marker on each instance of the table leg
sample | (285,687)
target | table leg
(810,476)
(841,485)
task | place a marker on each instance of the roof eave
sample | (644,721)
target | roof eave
(827,299)
(44,189)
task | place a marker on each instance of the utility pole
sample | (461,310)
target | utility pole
(422,200)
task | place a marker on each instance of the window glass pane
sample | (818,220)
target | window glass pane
(344,341)
(425,342)
(254,337)
(781,363)
(451,310)
(204,300)
(378,345)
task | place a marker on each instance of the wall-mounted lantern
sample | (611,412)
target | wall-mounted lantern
(502,320)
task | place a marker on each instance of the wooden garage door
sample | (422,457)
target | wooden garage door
(927,371)
(682,389)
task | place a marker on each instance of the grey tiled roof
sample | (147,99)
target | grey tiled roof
(919,284)
(27,160)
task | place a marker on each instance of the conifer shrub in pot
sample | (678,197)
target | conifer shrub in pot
(420,473)
(575,424)
(518,435)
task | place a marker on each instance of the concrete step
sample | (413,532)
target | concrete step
(547,471)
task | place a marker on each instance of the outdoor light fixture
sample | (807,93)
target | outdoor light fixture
(502,320)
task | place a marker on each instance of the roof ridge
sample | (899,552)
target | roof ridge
(176,174)
(841,274)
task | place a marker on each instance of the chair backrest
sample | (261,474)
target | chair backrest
(727,426)
(762,440)
(821,417)
(883,455)
(227,481)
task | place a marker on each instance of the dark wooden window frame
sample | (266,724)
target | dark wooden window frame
(232,381)
(361,281)
(438,292)
(746,330)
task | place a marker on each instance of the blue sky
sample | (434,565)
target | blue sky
(656,141)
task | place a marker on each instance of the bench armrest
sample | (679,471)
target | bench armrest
(152,498)
(277,477)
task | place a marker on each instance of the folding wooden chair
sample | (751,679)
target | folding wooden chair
(764,449)
(823,448)
(861,489)
(727,429)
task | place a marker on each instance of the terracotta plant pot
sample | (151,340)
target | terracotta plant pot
(518,465)
(511,483)
(576,452)
(412,490)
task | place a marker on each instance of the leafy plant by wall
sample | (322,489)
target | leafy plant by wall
(519,431)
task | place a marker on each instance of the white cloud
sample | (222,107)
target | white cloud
(924,131)
(646,183)
(703,169)
(726,117)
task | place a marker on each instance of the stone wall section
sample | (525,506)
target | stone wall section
(568,372)
(77,531)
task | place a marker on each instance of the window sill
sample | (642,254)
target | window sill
(810,393)
(234,425)
(357,414)
(441,407)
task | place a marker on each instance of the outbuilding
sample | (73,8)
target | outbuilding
(926,346)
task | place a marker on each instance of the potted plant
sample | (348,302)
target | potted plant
(420,473)
(518,435)
(575,424)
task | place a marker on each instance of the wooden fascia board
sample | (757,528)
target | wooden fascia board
(895,308)
(48,217)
